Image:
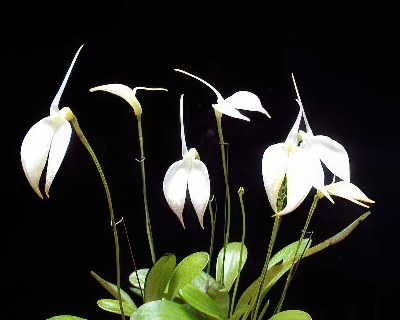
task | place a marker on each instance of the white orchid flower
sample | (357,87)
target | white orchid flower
(242,100)
(47,140)
(298,160)
(189,173)
(349,191)
(128,94)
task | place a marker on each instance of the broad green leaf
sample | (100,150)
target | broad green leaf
(203,281)
(133,279)
(287,253)
(65,317)
(275,272)
(291,315)
(220,295)
(188,269)
(163,310)
(112,288)
(231,265)
(112,305)
(158,277)
(202,302)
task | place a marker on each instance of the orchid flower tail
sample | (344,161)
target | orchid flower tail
(56,100)
(219,96)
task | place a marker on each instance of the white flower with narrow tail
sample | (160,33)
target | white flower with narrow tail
(189,173)
(47,140)
(242,100)
(128,94)
(349,191)
(298,160)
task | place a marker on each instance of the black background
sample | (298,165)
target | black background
(346,66)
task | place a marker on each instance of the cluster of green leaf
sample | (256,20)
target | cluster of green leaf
(185,291)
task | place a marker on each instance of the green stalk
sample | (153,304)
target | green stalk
(218,117)
(146,207)
(212,236)
(290,275)
(258,299)
(240,193)
(81,136)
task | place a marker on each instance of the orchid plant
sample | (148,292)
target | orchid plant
(189,289)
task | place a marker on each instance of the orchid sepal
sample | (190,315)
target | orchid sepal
(126,93)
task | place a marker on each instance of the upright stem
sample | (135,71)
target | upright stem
(81,136)
(291,270)
(240,193)
(258,299)
(218,116)
(212,236)
(146,207)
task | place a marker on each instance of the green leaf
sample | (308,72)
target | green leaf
(65,317)
(239,312)
(202,302)
(287,253)
(291,315)
(158,277)
(112,305)
(220,295)
(133,279)
(203,281)
(163,310)
(231,265)
(112,288)
(283,260)
(188,269)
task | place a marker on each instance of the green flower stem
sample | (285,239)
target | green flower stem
(240,193)
(290,275)
(81,136)
(212,236)
(218,117)
(146,207)
(258,299)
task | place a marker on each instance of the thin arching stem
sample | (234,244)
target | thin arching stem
(213,220)
(218,117)
(303,232)
(146,206)
(257,300)
(240,193)
(83,139)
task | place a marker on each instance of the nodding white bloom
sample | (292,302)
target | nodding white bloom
(298,160)
(349,191)
(128,94)
(242,100)
(47,140)
(189,173)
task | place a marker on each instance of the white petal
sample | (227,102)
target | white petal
(308,128)
(183,138)
(274,166)
(175,187)
(35,149)
(316,172)
(292,136)
(229,111)
(350,192)
(58,149)
(56,100)
(123,91)
(245,100)
(299,180)
(331,153)
(199,188)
